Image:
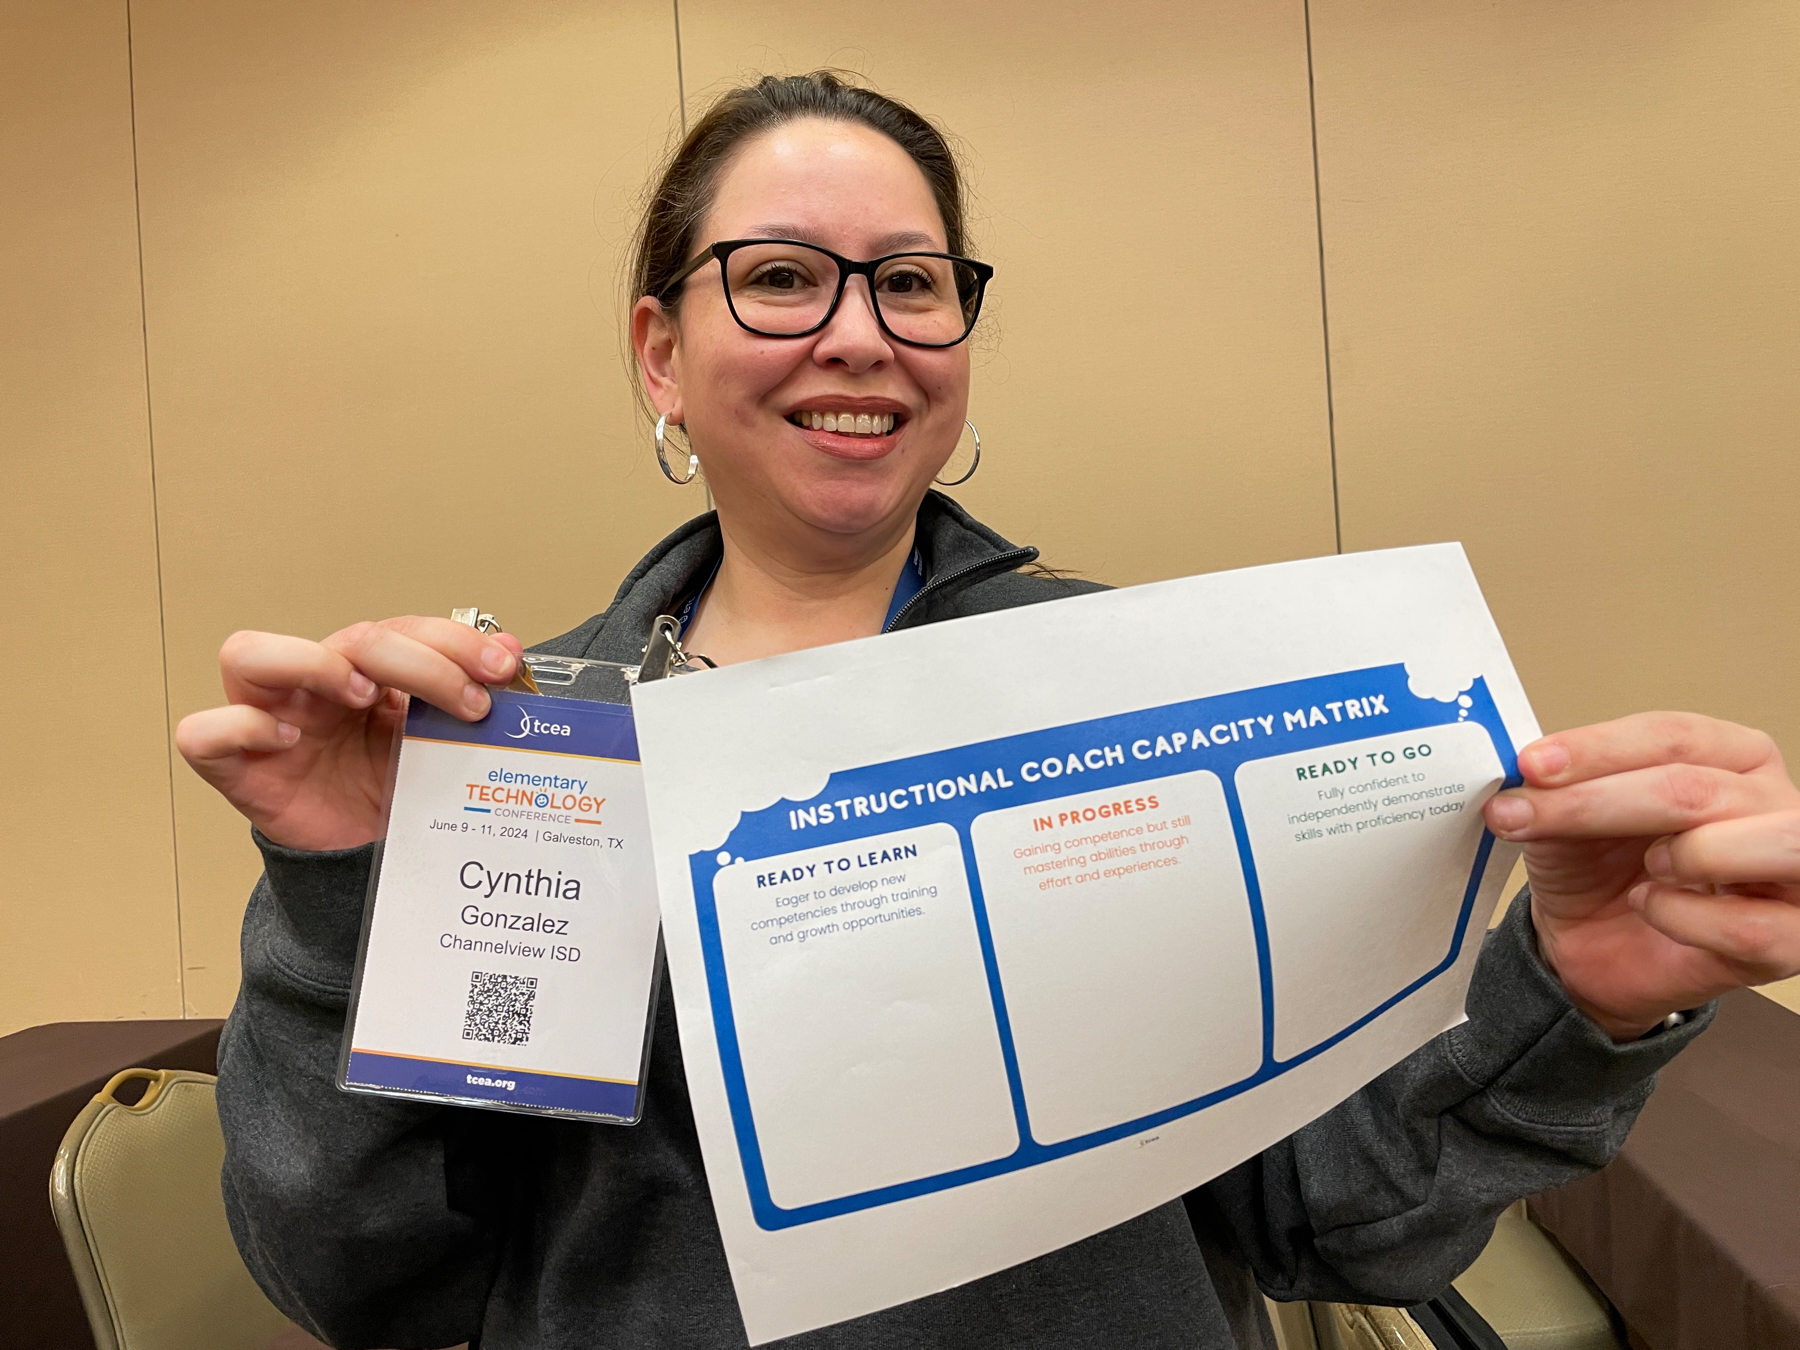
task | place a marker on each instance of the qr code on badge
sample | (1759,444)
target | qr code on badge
(499,1010)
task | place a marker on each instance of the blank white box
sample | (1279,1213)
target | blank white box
(871,1055)
(1330,853)
(1130,976)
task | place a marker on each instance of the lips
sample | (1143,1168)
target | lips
(846,427)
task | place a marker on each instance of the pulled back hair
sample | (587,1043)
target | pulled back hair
(684,193)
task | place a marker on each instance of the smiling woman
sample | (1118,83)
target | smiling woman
(802,300)
(802,315)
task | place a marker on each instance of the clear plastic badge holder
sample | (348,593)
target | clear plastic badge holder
(511,955)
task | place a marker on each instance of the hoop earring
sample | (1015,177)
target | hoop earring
(957,482)
(662,457)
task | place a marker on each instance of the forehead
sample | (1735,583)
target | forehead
(834,183)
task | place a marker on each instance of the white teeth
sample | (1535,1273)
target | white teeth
(847,424)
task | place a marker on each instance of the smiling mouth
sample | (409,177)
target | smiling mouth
(846,424)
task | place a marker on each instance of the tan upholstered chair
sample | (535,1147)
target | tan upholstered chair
(135,1190)
(1533,1294)
(1522,1284)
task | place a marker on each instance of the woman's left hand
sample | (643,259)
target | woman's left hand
(1664,856)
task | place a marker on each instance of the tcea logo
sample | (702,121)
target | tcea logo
(531,726)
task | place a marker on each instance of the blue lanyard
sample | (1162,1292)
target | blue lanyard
(911,582)
(685,615)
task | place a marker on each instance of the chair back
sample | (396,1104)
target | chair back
(135,1191)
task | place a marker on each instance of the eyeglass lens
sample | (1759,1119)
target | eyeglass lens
(783,289)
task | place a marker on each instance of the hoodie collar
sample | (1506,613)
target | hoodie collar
(956,549)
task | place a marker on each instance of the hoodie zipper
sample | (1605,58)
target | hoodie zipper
(999,562)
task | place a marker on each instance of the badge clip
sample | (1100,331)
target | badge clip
(663,656)
(522,681)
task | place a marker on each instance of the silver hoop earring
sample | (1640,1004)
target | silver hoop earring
(957,482)
(662,458)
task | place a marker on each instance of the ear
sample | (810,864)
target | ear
(655,340)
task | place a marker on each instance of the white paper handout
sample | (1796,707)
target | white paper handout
(989,935)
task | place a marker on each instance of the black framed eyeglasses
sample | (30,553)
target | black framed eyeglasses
(786,288)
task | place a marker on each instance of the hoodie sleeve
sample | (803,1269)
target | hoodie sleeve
(1393,1193)
(368,1221)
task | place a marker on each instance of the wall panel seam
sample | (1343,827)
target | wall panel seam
(162,626)
(680,82)
(1312,112)
(681,109)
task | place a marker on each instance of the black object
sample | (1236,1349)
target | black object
(1450,1322)
(972,278)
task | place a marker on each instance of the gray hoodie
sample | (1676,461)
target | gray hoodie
(384,1223)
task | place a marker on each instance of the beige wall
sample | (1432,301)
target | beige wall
(89,925)
(1565,317)
(1564,303)
(378,268)
(379,248)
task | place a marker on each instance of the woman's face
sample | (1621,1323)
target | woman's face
(854,191)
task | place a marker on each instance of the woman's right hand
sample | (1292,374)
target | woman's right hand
(303,745)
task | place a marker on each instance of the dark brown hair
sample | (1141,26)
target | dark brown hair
(684,193)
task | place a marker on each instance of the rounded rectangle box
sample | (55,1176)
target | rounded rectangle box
(895,1072)
(1145,881)
(1394,819)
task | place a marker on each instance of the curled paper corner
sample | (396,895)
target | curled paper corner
(711,830)
(1440,680)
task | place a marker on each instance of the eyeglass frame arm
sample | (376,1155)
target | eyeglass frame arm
(722,249)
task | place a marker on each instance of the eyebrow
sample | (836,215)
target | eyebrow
(888,243)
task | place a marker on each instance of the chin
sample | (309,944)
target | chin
(853,504)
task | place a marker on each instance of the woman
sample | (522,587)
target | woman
(820,429)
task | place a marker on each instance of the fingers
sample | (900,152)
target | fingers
(484,657)
(207,738)
(442,662)
(1667,799)
(1642,741)
(1751,849)
(1758,936)
(267,667)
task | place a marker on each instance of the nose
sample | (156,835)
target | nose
(853,340)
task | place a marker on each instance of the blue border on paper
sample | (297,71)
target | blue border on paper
(772,832)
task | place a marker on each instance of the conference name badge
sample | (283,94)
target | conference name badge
(509,954)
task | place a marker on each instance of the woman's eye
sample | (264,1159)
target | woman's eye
(905,283)
(779,277)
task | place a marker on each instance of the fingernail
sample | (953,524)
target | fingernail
(362,688)
(1549,761)
(1659,862)
(475,698)
(287,731)
(496,660)
(1638,895)
(1510,814)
